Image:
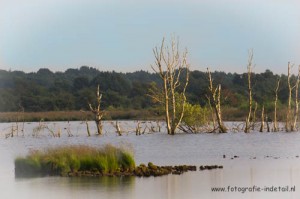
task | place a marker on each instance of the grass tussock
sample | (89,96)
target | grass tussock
(63,160)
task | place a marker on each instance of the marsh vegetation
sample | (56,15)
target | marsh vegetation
(85,161)
(75,160)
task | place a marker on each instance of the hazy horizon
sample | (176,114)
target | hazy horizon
(120,35)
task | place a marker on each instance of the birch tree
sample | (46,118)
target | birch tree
(171,66)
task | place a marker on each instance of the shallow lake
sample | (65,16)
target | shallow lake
(269,161)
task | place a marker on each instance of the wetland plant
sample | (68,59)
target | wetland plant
(72,159)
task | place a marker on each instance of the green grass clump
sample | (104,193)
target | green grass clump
(126,161)
(62,160)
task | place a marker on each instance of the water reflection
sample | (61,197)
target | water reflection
(47,187)
(191,185)
(105,183)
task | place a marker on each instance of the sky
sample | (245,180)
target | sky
(120,34)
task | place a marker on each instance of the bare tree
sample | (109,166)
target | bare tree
(87,128)
(267,122)
(118,129)
(296,101)
(97,111)
(138,129)
(262,124)
(275,106)
(249,69)
(215,96)
(289,125)
(254,117)
(170,66)
(212,112)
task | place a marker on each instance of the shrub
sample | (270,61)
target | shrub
(195,115)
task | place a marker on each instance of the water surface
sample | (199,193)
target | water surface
(264,160)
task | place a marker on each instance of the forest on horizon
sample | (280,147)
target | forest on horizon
(45,90)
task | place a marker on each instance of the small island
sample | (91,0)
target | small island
(85,161)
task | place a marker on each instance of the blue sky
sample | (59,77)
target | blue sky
(120,34)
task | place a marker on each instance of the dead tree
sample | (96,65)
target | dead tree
(249,69)
(288,124)
(87,128)
(254,117)
(170,66)
(268,126)
(97,112)
(69,130)
(158,126)
(212,112)
(275,106)
(118,129)
(138,129)
(296,111)
(262,124)
(215,96)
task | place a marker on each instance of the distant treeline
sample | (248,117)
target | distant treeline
(45,90)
